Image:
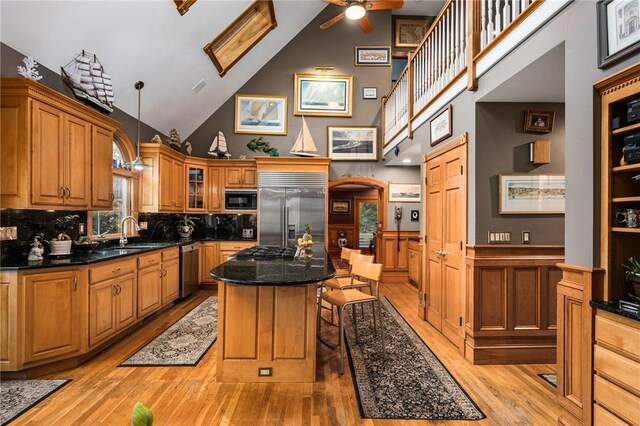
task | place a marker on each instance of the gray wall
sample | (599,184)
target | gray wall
(505,149)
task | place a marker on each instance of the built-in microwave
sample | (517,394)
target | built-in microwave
(239,199)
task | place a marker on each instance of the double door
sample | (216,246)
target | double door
(445,230)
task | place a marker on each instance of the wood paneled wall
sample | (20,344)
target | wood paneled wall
(395,263)
(510,304)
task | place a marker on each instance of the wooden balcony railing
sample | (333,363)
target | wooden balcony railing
(462,34)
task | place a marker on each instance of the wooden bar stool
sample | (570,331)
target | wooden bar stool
(352,280)
(351,297)
(345,257)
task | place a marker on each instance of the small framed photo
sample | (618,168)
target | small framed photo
(369,93)
(409,32)
(352,143)
(261,114)
(440,126)
(340,206)
(531,194)
(373,56)
(322,95)
(404,192)
(618,30)
(538,121)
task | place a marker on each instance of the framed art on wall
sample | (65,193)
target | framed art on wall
(618,30)
(379,56)
(440,126)
(369,93)
(340,206)
(531,194)
(261,114)
(323,95)
(404,192)
(409,32)
(352,143)
(538,121)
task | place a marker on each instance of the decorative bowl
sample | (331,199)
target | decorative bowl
(86,247)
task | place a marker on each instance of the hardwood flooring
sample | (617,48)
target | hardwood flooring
(103,394)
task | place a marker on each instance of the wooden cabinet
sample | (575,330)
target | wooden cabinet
(149,290)
(101,169)
(215,179)
(170,275)
(196,176)
(162,188)
(415,262)
(171,184)
(209,257)
(47,145)
(240,177)
(229,248)
(101,311)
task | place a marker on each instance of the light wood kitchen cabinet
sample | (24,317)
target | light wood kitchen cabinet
(102,305)
(241,177)
(171,184)
(215,202)
(101,169)
(170,281)
(196,191)
(162,188)
(209,257)
(229,248)
(47,142)
(415,262)
(149,290)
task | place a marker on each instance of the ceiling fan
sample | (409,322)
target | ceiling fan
(357,10)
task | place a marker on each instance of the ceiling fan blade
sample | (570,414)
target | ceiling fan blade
(365,24)
(384,4)
(338,2)
(332,21)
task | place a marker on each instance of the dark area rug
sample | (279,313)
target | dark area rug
(18,396)
(410,382)
(185,342)
(552,379)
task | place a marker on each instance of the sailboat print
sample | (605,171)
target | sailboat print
(304,146)
(86,77)
(218,147)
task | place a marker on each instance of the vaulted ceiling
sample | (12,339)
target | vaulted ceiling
(150,41)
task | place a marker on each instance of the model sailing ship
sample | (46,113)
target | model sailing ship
(218,147)
(86,77)
(304,146)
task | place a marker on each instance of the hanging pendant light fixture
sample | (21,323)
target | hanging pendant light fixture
(355,11)
(137,164)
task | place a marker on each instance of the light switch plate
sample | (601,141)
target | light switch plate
(499,237)
(143,225)
(526,237)
(8,233)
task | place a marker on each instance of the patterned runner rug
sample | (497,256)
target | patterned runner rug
(552,379)
(18,396)
(410,382)
(185,342)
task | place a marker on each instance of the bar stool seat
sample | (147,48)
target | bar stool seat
(344,282)
(350,295)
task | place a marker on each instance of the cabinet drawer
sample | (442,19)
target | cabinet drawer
(172,253)
(617,400)
(618,335)
(235,245)
(145,260)
(103,272)
(602,417)
(617,367)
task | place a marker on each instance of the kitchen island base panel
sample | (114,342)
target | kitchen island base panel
(261,327)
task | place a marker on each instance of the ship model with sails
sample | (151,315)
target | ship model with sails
(85,76)
(218,147)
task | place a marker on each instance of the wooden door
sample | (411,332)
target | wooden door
(216,189)
(209,260)
(170,281)
(77,162)
(178,185)
(125,310)
(249,177)
(357,201)
(102,323)
(433,212)
(51,329)
(233,177)
(47,155)
(149,290)
(101,170)
(165,184)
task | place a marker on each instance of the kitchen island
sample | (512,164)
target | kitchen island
(267,317)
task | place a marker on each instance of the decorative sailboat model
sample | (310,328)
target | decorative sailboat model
(304,146)
(218,147)
(86,77)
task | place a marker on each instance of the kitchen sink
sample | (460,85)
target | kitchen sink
(144,245)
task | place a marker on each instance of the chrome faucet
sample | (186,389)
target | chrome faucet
(123,236)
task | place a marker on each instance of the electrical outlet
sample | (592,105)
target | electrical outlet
(265,371)
(143,225)
(8,233)
(526,237)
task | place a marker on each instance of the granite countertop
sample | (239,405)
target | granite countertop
(257,272)
(101,255)
(614,307)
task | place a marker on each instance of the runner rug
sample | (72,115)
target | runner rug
(18,396)
(409,382)
(552,379)
(185,342)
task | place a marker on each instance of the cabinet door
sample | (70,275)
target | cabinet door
(170,281)
(125,310)
(51,329)
(165,184)
(233,177)
(250,177)
(196,196)
(209,260)
(414,265)
(47,155)
(77,162)
(216,189)
(178,185)
(101,168)
(102,323)
(149,290)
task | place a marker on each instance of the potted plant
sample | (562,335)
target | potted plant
(633,273)
(186,224)
(61,244)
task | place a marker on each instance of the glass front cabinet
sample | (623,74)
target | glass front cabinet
(196,178)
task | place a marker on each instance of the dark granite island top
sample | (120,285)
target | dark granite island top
(278,272)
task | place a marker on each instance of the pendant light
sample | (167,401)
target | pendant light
(355,11)
(137,164)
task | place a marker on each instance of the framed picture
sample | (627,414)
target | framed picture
(352,143)
(340,206)
(531,194)
(369,93)
(618,30)
(404,192)
(409,32)
(379,56)
(440,126)
(323,95)
(538,121)
(261,114)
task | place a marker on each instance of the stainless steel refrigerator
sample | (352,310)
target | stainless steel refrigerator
(286,202)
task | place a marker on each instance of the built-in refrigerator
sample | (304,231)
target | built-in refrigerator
(287,201)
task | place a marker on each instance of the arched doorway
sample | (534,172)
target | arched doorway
(353,201)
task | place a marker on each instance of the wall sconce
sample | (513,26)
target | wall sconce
(324,68)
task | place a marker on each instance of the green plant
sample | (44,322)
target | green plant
(64,225)
(259,144)
(632,267)
(186,221)
(141,415)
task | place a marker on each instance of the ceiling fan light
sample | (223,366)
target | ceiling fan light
(355,12)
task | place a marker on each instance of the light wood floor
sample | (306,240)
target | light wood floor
(102,393)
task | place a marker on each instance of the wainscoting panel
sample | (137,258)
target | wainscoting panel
(395,263)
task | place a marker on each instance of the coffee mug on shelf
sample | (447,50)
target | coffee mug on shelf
(629,217)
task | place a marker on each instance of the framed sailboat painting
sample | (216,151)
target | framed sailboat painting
(352,143)
(323,95)
(261,114)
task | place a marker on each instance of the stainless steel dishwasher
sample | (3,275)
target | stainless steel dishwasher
(189,269)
